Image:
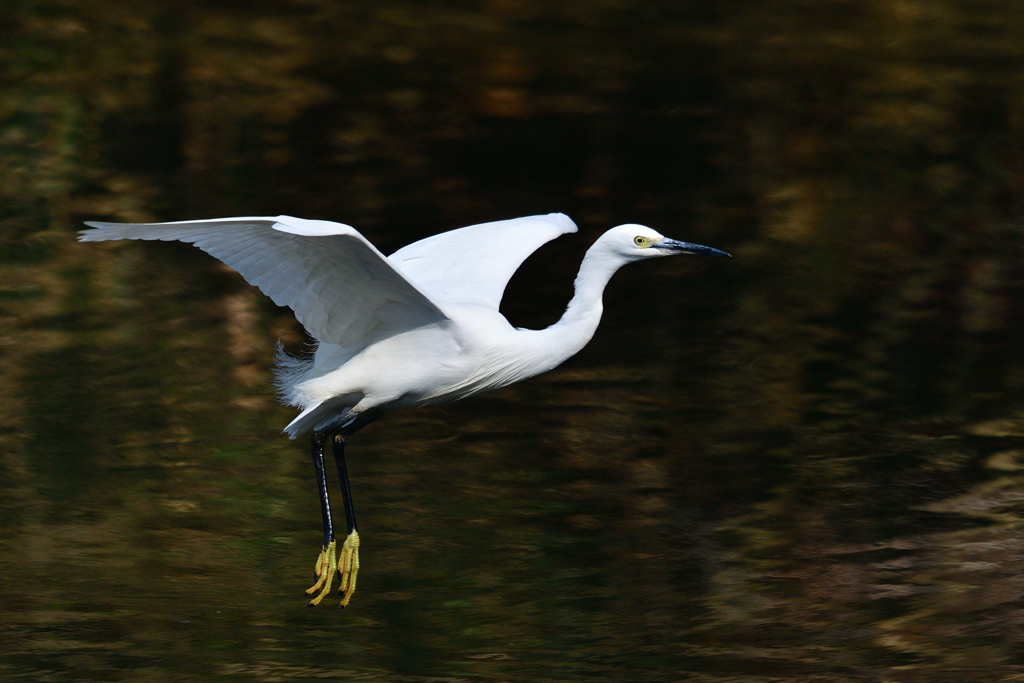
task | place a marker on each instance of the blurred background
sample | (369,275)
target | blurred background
(805,463)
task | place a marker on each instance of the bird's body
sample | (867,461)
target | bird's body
(418,327)
(473,350)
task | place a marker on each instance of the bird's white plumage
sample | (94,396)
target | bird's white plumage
(474,264)
(421,326)
(341,288)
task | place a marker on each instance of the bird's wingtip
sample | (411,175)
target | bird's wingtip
(564,222)
(90,235)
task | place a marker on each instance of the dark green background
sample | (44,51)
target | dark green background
(802,464)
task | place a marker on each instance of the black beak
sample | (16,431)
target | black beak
(678,247)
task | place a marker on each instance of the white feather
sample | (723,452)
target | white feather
(341,288)
(473,264)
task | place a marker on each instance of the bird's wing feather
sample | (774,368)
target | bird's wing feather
(473,265)
(341,288)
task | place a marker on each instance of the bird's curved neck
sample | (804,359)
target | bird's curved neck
(586,304)
(577,325)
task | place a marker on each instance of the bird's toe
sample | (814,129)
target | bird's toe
(326,566)
(348,565)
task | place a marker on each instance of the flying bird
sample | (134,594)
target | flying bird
(418,327)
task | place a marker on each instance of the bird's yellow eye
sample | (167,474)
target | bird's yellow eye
(640,241)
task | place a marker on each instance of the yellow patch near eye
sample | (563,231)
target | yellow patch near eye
(640,241)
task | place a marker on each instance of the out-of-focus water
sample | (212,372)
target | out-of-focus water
(802,464)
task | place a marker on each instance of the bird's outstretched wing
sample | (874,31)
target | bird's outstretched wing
(473,265)
(341,288)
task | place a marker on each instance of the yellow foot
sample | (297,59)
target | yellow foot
(349,566)
(326,565)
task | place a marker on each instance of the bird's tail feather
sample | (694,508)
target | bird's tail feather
(333,414)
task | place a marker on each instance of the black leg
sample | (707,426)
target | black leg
(348,562)
(345,563)
(346,491)
(319,442)
(327,563)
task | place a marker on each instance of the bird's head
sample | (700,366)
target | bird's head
(635,242)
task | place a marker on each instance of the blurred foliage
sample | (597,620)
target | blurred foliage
(803,464)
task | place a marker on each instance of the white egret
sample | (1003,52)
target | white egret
(420,326)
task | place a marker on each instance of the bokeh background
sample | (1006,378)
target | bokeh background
(802,464)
